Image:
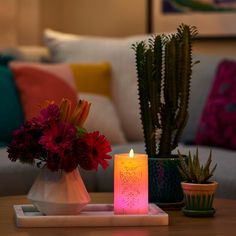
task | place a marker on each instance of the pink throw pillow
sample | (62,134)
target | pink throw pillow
(35,86)
(217,126)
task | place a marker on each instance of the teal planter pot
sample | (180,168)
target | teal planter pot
(165,181)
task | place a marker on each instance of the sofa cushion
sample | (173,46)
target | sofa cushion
(217,125)
(35,86)
(103,117)
(72,48)
(202,79)
(60,70)
(92,78)
(11,113)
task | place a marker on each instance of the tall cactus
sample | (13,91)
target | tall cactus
(164,69)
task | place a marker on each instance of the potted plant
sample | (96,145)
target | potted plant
(198,190)
(56,141)
(164,69)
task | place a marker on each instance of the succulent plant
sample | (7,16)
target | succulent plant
(192,171)
(164,69)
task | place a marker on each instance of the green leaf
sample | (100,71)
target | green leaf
(80,131)
(193,171)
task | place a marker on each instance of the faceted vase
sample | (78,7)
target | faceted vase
(165,182)
(59,193)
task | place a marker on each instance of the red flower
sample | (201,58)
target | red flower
(53,161)
(58,138)
(67,161)
(92,150)
(24,145)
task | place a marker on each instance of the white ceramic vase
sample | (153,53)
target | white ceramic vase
(59,193)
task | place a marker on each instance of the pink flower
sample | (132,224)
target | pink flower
(48,116)
(51,113)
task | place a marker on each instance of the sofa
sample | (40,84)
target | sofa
(117,113)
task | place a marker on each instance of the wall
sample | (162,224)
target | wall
(112,18)
(19,22)
(22,21)
(224,46)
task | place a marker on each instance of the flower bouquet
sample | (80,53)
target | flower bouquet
(56,141)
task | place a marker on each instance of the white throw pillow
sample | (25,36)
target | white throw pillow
(118,51)
(103,118)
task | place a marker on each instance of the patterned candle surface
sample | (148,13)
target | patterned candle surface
(131,184)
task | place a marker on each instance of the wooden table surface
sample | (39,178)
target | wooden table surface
(223,223)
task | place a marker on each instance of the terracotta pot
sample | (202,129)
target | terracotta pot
(59,193)
(199,196)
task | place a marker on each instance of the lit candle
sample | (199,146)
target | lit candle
(131,183)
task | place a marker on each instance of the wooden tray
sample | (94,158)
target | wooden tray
(93,215)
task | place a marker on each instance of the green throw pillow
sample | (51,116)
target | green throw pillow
(11,113)
(5,59)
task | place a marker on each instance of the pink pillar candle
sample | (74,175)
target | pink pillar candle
(131,183)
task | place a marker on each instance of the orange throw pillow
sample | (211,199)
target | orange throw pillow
(36,86)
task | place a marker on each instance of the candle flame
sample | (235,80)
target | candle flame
(131,153)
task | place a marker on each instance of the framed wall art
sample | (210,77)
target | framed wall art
(213,18)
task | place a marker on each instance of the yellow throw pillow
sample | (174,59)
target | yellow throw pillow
(92,78)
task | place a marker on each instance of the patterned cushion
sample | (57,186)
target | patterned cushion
(217,125)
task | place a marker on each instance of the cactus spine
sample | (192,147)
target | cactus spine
(164,69)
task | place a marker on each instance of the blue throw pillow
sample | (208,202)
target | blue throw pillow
(11,113)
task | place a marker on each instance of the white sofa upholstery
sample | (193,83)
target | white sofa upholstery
(16,178)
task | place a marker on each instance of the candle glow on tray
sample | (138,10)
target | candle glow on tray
(131,183)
